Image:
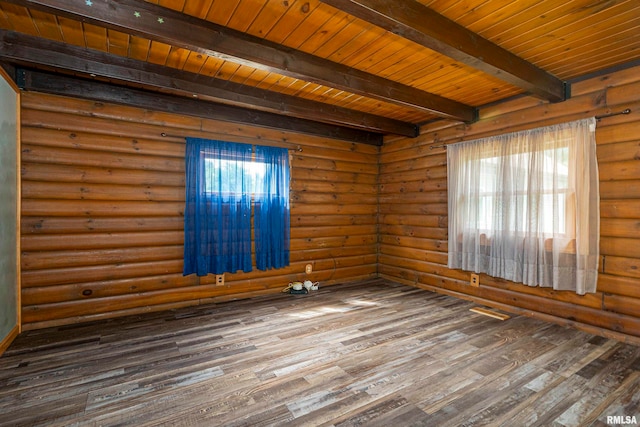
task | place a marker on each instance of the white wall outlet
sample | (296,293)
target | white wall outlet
(219,279)
(308,268)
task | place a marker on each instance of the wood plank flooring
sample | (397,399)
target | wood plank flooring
(370,353)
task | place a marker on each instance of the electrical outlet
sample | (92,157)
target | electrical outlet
(219,279)
(308,268)
(475,280)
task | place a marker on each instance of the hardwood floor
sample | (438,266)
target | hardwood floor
(371,353)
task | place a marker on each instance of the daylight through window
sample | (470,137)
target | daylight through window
(525,206)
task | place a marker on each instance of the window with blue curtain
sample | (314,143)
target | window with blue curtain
(221,179)
(272,208)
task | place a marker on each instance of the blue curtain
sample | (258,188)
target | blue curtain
(271,220)
(217,229)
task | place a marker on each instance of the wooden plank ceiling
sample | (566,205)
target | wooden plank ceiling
(341,68)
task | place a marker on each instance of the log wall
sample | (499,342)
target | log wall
(103,200)
(103,195)
(413,207)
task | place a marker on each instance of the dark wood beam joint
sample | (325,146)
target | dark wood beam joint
(35,52)
(218,41)
(38,81)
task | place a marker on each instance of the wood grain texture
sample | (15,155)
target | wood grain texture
(372,353)
(8,339)
(567,40)
(413,178)
(103,201)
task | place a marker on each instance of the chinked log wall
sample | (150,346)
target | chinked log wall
(413,207)
(103,201)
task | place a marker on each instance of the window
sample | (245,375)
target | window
(219,170)
(553,196)
(525,206)
(222,181)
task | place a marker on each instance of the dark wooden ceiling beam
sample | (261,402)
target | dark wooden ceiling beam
(109,93)
(168,26)
(36,51)
(418,23)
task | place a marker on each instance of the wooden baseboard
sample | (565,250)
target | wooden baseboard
(6,342)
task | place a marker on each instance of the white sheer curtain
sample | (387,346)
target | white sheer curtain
(524,206)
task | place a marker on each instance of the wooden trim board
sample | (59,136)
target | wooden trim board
(6,342)
(490,313)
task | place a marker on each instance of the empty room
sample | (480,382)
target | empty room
(320,213)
